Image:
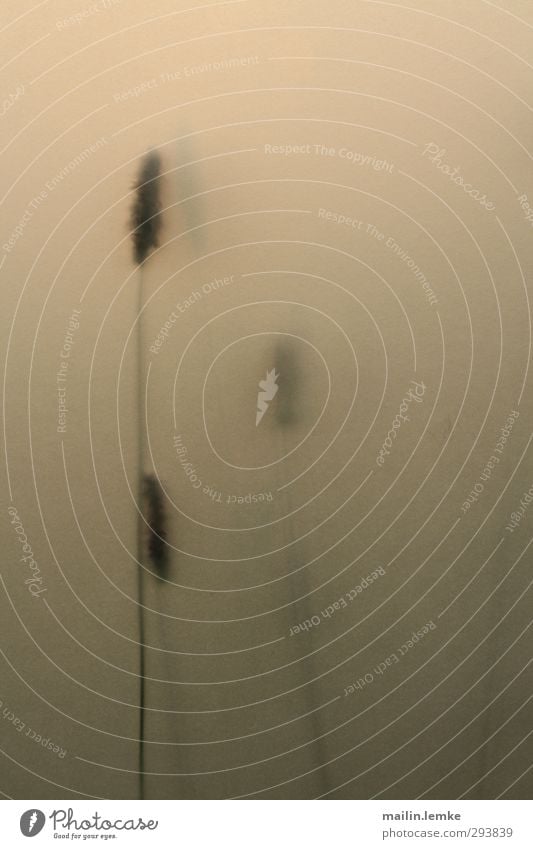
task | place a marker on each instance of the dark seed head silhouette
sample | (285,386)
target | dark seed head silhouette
(145,214)
(156,519)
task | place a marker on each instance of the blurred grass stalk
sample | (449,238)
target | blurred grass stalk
(145,225)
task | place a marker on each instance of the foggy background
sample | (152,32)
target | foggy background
(345,193)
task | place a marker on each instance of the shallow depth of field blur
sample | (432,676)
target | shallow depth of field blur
(347,240)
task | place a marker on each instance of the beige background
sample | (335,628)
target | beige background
(237,706)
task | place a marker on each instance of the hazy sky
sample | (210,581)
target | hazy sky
(347,203)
